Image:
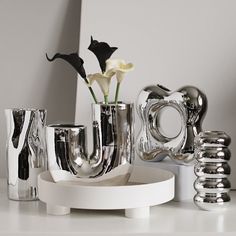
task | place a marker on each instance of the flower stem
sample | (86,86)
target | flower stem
(91,91)
(94,97)
(117,92)
(106,99)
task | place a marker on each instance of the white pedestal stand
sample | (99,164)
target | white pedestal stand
(146,187)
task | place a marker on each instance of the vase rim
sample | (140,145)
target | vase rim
(113,103)
(66,126)
(25,109)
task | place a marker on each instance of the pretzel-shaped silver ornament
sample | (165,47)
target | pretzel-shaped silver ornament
(152,143)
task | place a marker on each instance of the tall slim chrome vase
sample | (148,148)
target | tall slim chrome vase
(26,151)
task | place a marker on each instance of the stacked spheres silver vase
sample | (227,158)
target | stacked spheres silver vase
(212,170)
(26,151)
(112,157)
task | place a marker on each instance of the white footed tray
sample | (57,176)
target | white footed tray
(147,187)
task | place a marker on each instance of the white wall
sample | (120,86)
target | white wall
(29,29)
(173,43)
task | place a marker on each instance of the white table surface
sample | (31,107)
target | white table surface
(173,218)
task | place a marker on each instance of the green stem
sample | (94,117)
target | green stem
(106,99)
(91,91)
(117,92)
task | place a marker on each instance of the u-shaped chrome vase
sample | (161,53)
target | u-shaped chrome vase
(113,145)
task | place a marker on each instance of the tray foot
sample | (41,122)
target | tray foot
(57,210)
(142,212)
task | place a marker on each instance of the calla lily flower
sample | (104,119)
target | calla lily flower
(102,51)
(109,67)
(73,59)
(119,67)
(103,81)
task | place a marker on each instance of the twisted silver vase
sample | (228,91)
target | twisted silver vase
(26,151)
(113,146)
(152,143)
(212,170)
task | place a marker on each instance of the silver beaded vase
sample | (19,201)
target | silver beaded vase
(212,170)
(112,157)
(26,151)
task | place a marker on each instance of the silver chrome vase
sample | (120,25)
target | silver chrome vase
(112,157)
(152,143)
(212,170)
(26,151)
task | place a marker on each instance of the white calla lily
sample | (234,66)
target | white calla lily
(119,67)
(116,67)
(103,82)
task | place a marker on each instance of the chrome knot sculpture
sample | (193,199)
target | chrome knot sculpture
(153,144)
(112,158)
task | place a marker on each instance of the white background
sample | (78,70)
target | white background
(29,29)
(173,43)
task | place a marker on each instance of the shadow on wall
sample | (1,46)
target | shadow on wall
(30,29)
(60,96)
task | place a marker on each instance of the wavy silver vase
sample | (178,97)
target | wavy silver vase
(152,143)
(26,151)
(113,146)
(212,170)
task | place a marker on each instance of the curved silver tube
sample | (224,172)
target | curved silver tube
(26,151)
(113,145)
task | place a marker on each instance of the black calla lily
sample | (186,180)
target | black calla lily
(73,59)
(102,51)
